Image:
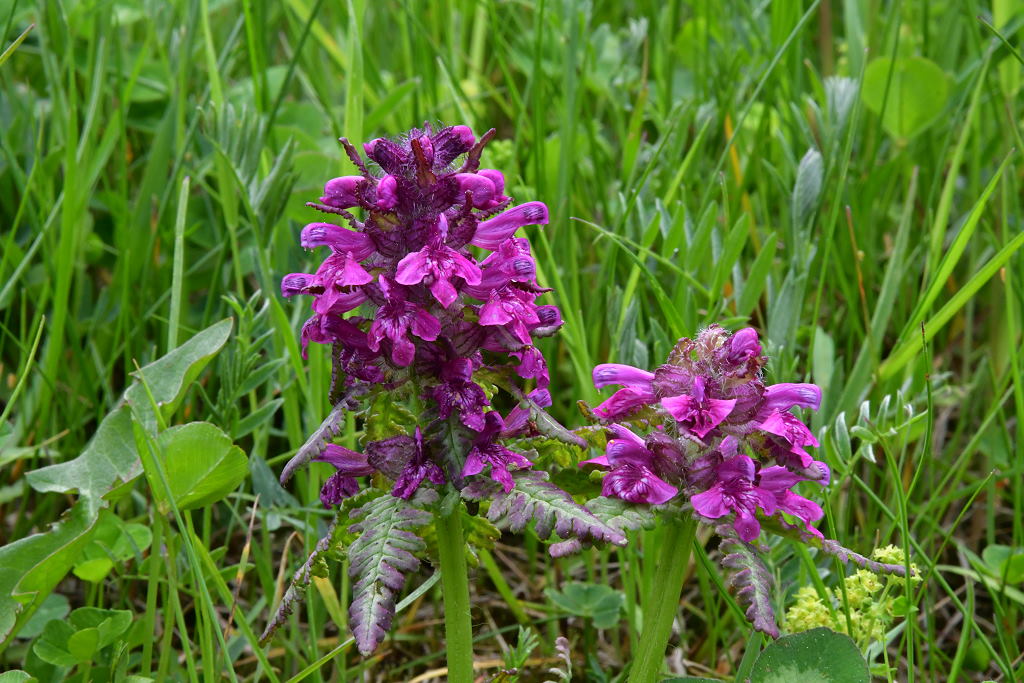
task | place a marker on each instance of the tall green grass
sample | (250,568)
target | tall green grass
(154,161)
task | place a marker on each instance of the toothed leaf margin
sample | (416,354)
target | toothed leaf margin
(379,559)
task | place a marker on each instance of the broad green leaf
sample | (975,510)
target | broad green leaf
(917,93)
(82,645)
(111,456)
(52,646)
(94,570)
(816,656)
(54,607)
(16,676)
(32,566)
(1005,561)
(201,463)
(169,377)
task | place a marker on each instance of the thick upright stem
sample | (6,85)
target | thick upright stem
(661,604)
(458,628)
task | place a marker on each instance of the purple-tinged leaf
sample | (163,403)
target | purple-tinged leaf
(549,508)
(753,584)
(300,582)
(317,441)
(379,559)
(623,516)
(783,528)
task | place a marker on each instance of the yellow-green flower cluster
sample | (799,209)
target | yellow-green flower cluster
(868,611)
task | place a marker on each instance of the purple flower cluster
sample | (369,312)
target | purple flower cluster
(429,312)
(720,437)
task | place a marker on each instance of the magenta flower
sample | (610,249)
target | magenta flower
(632,476)
(696,411)
(395,319)
(488,452)
(342,484)
(431,311)
(437,264)
(741,490)
(788,436)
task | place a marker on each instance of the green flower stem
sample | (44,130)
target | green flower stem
(458,629)
(661,604)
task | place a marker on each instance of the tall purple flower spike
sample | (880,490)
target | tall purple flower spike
(429,310)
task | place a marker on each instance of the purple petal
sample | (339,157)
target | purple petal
(341,192)
(412,269)
(493,232)
(425,326)
(717,410)
(746,525)
(782,397)
(623,375)
(349,462)
(737,467)
(493,313)
(637,484)
(481,188)
(294,283)
(387,192)
(338,238)
(711,503)
(497,179)
(624,401)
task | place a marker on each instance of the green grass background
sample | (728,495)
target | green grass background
(154,161)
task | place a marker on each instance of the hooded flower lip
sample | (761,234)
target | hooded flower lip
(637,484)
(621,375)
(436,264)
(486,451)
(338,238)
(341,193)
(491,233)
(696,411)
(480,187)
(782,397)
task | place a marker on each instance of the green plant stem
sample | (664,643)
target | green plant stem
(661,603)
(458,629)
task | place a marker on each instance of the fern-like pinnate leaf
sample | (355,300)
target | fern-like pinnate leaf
(535,499)
(300,582)
(317,441)
(379,559)
(780,527)
(753,584)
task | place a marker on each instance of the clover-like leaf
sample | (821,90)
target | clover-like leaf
(917,93)
(816,656)
(201,464)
